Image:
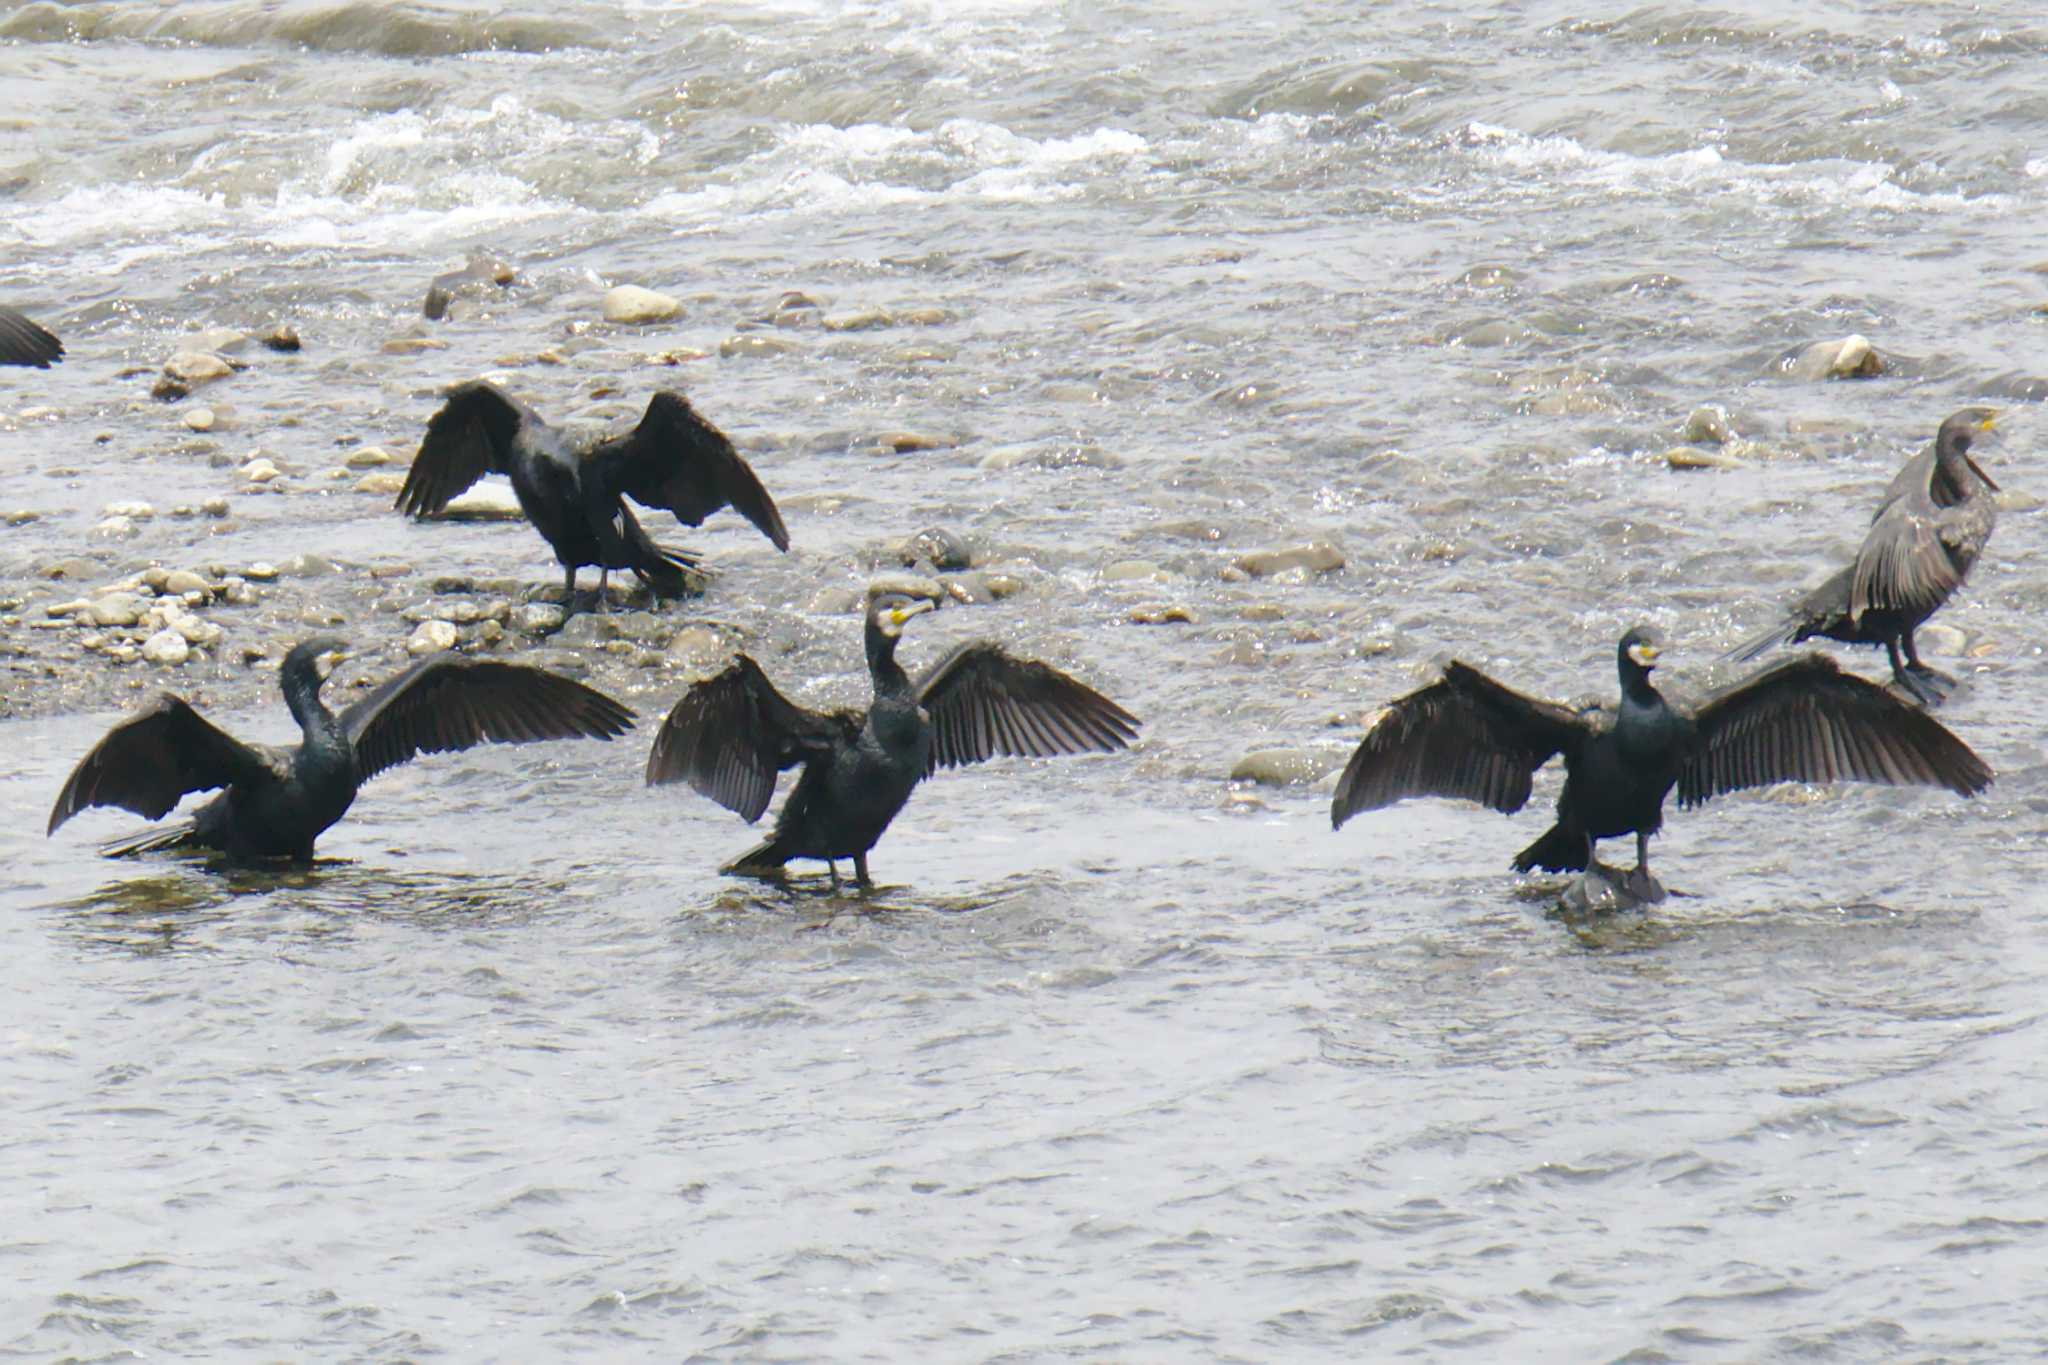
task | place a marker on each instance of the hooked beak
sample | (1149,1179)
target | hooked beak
(328,662)
(1645,654)
(894,618)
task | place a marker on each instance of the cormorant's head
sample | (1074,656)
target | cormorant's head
(890,610)
(315,659)
(1641,647)
(1963,427)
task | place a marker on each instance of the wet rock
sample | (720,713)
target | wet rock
(748,344)
(834,600)
(903,442)
(1707,426)
(936,546)
(1693,457)
(260,470)
(1850,357)
(1941,640)
(564,661)
(138,511)
(194,368)
(538,618)
(236,592)
(1315,557)
(643,626)
(485,502)
(179,582)
(115,609)
(307,565)
(1597,892)
(1489,277)
(384,482)
(861,321)
(166,648)
(116,528)
(260,572)
(696,649)
(431,637)
(1161,615)
(479,278)
(219,340)
(910,585)
(586,628)
(924,317)
(194,630)
(629,303)
(412,345)
(214,507)
(279,336)
(1285,767)
(368,457)
(200,419)
(1134,571)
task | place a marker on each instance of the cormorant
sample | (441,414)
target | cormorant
(1802,720)
(24,343)
(729,736)
(572,486)
(278,800)
(1927,533)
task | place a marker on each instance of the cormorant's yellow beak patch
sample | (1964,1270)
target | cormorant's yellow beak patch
(1989,423)
(1643,653)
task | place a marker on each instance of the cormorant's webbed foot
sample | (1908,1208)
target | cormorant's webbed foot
(1646,889)
(1928,686)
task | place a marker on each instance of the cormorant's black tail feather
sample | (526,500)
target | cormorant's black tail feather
(152,840)
(1789,631)
(762,860)
(672,573)
(1559,850)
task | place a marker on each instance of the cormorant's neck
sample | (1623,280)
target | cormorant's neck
(302,695)
(1635,684)
(882,666)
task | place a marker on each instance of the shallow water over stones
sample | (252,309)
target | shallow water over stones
(1244,365)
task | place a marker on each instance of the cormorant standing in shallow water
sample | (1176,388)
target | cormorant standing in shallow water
(1803,720)
(279,800)
(573,487)
(1928,531)
(22,342)
(729,736)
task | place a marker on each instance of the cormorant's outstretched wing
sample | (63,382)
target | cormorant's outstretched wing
(676,459)
(151,760)
(984,702)
(1463,736)
(447,701)
(1903,566)
(470,436)
(22,342)
(729,735)
(1804,720)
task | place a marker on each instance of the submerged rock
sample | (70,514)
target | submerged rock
(1850,357)
(1317,556)
(431,638)
(1285,767)
(166,648)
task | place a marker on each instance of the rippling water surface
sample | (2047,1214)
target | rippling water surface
(1121,1062)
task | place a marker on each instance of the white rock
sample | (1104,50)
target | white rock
(199,419)
(193,368)
(631,303)
(260,470)
(431,638)
(485,502)
(140,511)
(166,647)
(116,528)
(369,457)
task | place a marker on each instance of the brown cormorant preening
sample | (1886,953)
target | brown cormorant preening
(572,487)
(729,736)
(1928,531)
(278,800)
(24,343)
(1803,720)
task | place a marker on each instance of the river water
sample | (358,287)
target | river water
(1123,1061)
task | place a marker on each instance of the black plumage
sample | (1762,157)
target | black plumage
(573,487)
(730,736)
(1802,720)
(1929,529)
(277,801)
(22,342)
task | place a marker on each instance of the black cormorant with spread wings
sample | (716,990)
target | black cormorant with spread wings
(573,487)
(277,800)
(1803,720)
(730,735)
(22,342)
(1929,529)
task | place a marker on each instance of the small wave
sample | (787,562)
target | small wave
(1861,183)
(365,26)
